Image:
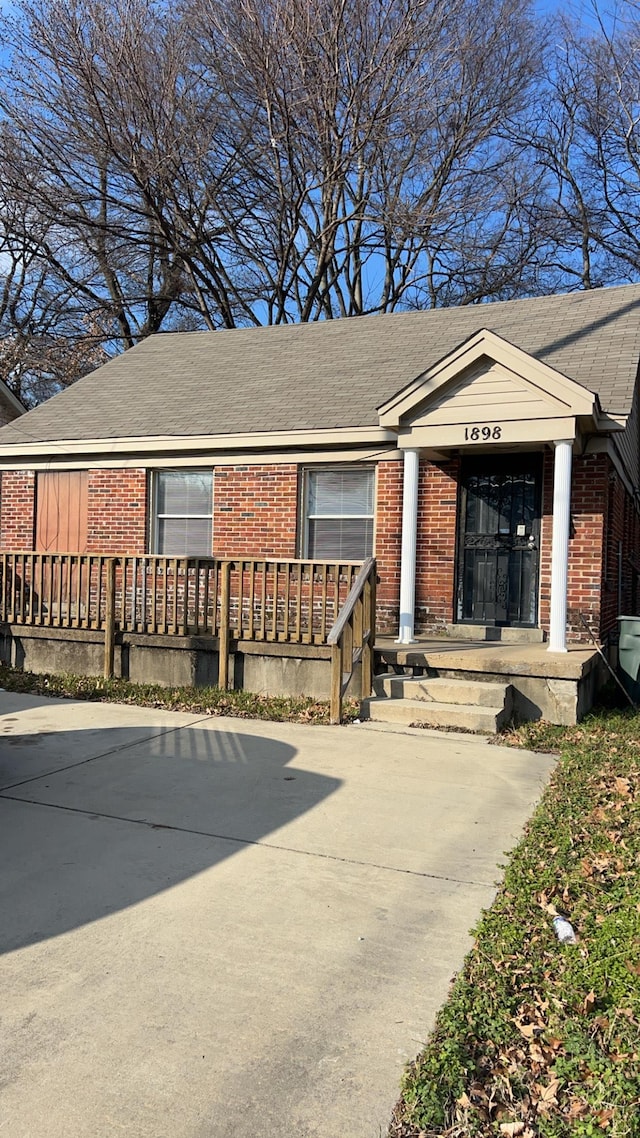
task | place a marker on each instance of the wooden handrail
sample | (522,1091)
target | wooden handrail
(352,639)
(349,605)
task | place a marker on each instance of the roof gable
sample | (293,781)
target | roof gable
(486,378)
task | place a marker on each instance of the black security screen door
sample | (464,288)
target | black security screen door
(499,540)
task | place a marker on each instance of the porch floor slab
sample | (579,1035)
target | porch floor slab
(489,657)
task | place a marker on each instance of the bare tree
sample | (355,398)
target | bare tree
(586,136)
(96,128)
(48,334)
(378,147)
(226,162)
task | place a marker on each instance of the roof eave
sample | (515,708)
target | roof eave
(197,444)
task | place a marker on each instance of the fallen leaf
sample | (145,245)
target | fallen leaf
(529,1030)
(547,1096)
(588,1002)
(511,1129)
(603,1117)
(537,1054)
(577,1108)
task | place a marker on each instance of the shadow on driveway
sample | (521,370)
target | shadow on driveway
(81,815)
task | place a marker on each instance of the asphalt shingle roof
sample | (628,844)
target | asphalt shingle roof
(331,374)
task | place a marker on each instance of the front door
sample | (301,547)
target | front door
(499,540)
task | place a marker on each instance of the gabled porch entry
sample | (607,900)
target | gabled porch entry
(495,409)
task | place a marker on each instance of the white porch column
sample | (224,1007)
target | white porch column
(409,537)
(560,545)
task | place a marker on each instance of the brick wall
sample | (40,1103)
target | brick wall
(588,504)
(17,497)
(605,536)
(436,547)
(620,562)
(388,543)
(117,511)
(546,526)
(255,511)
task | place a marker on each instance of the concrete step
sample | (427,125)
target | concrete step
(491,632)
(438,689)
(460,716)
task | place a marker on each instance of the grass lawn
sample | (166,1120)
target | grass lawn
(204,701)
(540,1038)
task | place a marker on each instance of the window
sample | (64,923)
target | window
(183,507)
(339,514)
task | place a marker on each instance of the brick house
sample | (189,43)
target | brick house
(488,456)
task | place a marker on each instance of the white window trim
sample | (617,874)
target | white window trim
(305,517)
(155,518)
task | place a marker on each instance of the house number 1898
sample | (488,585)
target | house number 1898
(475,434)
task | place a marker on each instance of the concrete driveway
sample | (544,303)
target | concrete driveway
(218,928)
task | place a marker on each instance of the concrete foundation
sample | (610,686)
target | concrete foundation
(558,687)
(173,661)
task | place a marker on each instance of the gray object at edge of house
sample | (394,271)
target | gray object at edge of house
(629,655)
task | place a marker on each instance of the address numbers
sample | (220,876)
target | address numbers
(482,434)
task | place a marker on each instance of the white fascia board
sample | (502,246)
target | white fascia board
(196,444)
(369,454)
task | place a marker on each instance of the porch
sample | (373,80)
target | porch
(282,627)
(558,686)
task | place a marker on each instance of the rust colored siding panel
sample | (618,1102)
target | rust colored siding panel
(61,511)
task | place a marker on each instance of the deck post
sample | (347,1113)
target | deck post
(224,629)
(560,545)
(366,666)
(409,543)
(335,713)
(110,618)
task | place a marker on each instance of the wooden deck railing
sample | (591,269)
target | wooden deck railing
(237,599)
(352,639)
